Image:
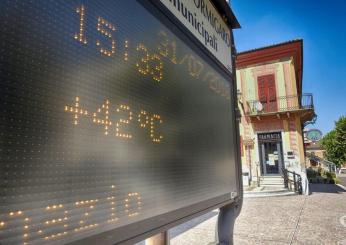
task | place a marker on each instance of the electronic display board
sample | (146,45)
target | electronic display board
(113,122)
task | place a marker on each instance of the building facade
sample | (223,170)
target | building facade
(273,109)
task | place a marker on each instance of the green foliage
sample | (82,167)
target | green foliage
(337,181)
(320,176)
(310,173)
(335,142)
(328,177)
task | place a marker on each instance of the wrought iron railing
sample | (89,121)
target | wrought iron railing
(280,104)
(292,181)
(325,164)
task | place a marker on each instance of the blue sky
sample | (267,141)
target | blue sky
(322,26)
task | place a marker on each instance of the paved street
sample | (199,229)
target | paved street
(316,219)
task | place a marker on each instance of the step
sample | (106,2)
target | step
(267,191)
(272,179)
(269,194)
(272,182)
(271,176)
(278,186)
(263,189)
(268,184)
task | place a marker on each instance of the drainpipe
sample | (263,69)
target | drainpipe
(304,147)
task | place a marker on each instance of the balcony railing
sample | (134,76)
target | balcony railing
(280,104)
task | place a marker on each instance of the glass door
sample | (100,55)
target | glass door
(271,157)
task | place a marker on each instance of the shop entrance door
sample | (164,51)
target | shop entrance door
(270,149)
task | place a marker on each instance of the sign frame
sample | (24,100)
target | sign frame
(206,24)
(229,205)
(229,200)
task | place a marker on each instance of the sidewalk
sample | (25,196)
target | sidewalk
(316,219)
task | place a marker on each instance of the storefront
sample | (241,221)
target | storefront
(270,152)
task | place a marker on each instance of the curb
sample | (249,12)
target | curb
(341,186)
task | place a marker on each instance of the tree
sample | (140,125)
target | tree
(334,142)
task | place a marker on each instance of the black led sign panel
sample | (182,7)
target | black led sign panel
(110,123)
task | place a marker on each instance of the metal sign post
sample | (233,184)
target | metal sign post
(229,213)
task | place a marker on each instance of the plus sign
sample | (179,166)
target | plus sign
(76,111)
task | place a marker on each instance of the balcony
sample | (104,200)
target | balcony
(283,106)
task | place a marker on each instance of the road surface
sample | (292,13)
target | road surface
(316,219)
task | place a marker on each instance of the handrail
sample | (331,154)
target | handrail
(328,165)
(296,181)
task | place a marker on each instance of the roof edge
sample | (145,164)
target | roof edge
(292,48)
(225,9)
(271,46)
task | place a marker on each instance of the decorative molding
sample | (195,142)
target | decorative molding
(268,69)
(268,125)
(293,135)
